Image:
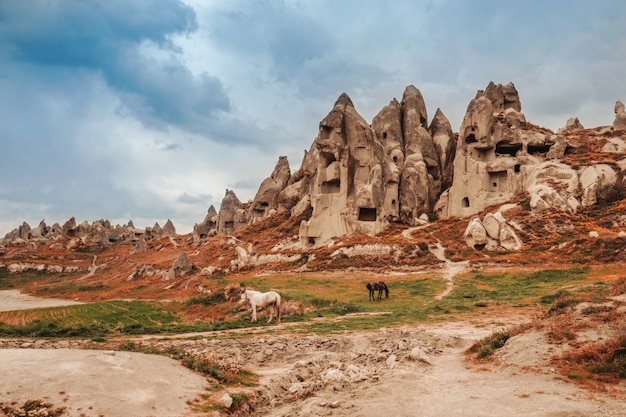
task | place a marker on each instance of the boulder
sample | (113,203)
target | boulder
(552,184)
(492,224)
(182,265)
(598,183)
(475,235)
(417,354)
(493,233)
(508,239)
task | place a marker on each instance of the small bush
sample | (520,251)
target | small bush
(207,300)
(487,346)
(618,287)
(32,408)
(563,300)
(343,309)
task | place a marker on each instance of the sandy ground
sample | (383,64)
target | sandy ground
(98,383)
(14,300)
(412,371)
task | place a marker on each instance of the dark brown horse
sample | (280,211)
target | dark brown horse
(380,287)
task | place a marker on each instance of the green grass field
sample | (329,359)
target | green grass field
(326,295)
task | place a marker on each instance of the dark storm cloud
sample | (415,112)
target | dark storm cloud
(301,50)
(119,40)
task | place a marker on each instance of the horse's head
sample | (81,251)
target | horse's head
(243,294)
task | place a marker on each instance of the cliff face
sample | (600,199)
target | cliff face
(357,177)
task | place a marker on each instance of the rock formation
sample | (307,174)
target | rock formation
(492,233)
(358,177)
(348,186)
(168,229)
(180,268)
(208,226)
(572,124)
(97,234)
(620,116)
(232,215)
(266,198)
(494,153)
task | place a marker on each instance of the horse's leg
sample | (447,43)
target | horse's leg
(253,312)
(271,314)
(277,313)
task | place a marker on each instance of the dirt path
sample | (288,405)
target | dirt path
(451,269)
(405,372)
(410,371)
(402,372)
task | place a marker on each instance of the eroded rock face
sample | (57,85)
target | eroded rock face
(445,144)
(348,187)
(232,215)
(208,226)
(495,151)
(362,177)
(266,198)
(572,124)
(357,177)
(421,177)
(168,229)
(620,116)
(553,184)
(598,184)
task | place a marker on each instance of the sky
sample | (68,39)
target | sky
(148,110)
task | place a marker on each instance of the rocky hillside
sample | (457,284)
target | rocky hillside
(379,196)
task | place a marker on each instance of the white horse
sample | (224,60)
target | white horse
(262,299)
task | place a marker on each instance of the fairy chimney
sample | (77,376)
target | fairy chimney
(266,198)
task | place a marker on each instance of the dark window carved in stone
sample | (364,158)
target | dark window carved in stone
(331,187)
(367,214)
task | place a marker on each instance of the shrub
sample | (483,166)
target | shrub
(32,408)
(487,346)
(207,300)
